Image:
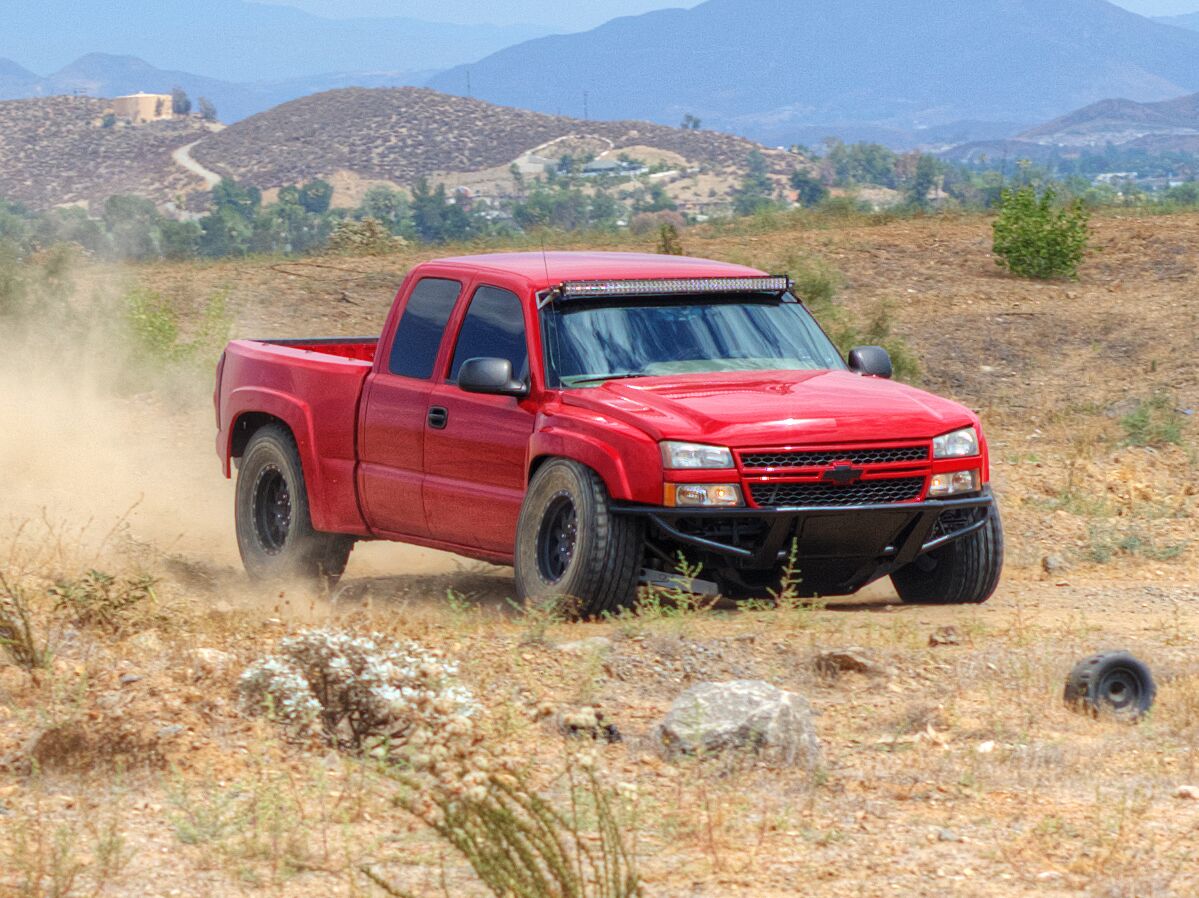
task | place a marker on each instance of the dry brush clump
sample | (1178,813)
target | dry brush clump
(401,705)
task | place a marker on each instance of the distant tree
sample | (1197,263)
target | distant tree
(207,110)
(158,107)
(434,217)
(180,239)
(180,103)
(388,207)
(315,196)
(809,189)
(756,190)
(861,163)
(690,122)
(134,227)
(238,199)
(653,199)
(923,180)
(109,120)
(289,195)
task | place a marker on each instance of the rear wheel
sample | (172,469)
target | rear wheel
(964,572)
(274,528)
(570,544)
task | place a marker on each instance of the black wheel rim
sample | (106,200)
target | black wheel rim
(557,538)
(1120,691)
(272,509)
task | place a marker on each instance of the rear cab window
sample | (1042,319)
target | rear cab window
(421,327)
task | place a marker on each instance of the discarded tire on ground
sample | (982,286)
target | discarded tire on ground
(1112,683)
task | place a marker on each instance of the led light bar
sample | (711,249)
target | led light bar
(671,286)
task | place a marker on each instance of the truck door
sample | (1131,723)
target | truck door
(395,404)
(476,446)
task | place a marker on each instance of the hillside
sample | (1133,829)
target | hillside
(402,134)
(54,151)
(771,71)
(1168,124)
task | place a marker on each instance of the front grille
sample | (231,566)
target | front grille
(864,492)
(823,458)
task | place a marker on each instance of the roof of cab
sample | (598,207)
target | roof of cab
(542,270)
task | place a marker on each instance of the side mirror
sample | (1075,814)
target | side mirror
(873,361)
(490,376)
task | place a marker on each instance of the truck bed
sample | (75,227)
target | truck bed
(313,386)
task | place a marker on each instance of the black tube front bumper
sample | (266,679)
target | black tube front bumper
(875,539)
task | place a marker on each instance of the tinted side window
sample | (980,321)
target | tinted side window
(494,327)
(418,335)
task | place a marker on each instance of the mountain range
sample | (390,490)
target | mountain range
(777,71)
(104,75)
(237,40)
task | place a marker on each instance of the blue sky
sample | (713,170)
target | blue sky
(574,15)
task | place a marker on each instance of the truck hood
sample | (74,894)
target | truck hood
(758,409)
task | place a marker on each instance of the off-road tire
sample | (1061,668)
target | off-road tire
(600,570)
(964,572)
(1112,683)
(274,528)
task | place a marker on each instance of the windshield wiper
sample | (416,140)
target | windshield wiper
(595,378)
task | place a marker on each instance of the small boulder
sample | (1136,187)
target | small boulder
(211,661)
(712,718)
(586,646)
(835,662)
(589,723)
(1053,564)
(1190,793)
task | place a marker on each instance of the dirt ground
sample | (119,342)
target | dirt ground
(127,768)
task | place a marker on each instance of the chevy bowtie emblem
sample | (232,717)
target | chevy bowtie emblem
(842,475)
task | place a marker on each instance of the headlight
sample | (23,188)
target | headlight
(959,444)
(703,495)
(691,456)
(954,484)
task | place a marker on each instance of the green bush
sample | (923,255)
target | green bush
(1036,237)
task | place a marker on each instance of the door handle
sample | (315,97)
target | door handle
(439,417)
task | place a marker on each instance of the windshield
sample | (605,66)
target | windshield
(588,343)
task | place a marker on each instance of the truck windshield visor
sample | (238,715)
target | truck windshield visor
(587,343)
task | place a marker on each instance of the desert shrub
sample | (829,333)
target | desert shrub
(669,243)
(26,644)
(160,337)
(363,236)
(1036,237)
(1153,422)
(517,841)
(101,600)
(360,693)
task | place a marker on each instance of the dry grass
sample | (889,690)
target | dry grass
(127,767)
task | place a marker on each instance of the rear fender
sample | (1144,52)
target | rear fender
(323,496)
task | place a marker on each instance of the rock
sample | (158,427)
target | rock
(129,679)
(1191,793)
(741,714)
(945,636)
(170,731)
(221,608)
(147,641)
(211,661)
(586,646)
(948,835)
(851,660)
(1054,564)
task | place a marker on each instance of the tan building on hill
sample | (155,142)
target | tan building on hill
(143,107)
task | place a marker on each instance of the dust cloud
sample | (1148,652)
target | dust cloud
(123,459)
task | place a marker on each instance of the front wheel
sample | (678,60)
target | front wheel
(274,529)
(965,572)
(570,544)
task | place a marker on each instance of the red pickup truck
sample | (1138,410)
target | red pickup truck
(586,418)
